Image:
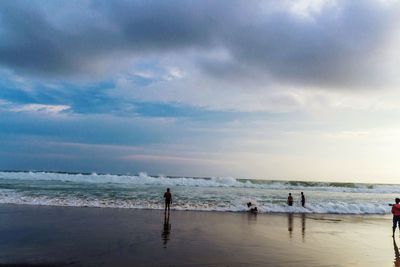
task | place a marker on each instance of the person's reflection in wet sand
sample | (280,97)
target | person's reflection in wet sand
(303,227)
(396,254)
(290,224)
(252,217)
(166,230)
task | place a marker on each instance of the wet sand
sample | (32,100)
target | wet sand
(66,236)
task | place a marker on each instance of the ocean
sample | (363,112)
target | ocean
(227,194)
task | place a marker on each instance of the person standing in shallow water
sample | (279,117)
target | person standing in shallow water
(290,200)
(168,200)
(396,214)
(303,199)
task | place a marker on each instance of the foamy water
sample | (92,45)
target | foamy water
(206,194)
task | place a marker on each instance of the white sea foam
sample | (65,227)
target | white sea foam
(204,194)
(335,207)
(144,179)
(141,179)
(329,208)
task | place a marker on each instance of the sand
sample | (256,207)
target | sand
(67,236)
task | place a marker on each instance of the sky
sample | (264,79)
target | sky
(293,90)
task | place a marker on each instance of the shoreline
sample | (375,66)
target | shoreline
(260,212)
(76,236)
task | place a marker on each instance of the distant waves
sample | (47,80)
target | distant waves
(204,194)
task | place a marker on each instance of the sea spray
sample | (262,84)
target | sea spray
(223,194)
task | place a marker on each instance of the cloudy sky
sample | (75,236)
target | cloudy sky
(301,90)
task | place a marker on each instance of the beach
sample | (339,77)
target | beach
(80,236)
(270,128)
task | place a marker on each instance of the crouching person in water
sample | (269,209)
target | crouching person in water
(396,214)
(252,208)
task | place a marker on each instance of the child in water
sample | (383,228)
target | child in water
(290,200)
(252,209)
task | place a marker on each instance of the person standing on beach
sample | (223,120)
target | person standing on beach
(290,200)
(303,199)
(168,199)
(396,214)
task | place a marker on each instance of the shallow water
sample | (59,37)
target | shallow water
(203,194)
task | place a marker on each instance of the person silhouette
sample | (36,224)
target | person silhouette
(396,214)
(252,208)
(168,200)
(303,199)
(290,200)
(166,230)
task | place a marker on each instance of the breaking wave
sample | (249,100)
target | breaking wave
(144,179)
(227,194)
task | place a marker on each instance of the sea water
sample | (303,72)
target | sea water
(227,194)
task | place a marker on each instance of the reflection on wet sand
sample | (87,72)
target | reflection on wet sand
(396,261)
(252,217)
(166,229)
(303,225)
(290,224)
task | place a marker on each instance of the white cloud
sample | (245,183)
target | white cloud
(40,108)
(308,8)
(4,102)
(173,73)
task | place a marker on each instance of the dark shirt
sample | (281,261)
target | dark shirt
(290,200)
(168,197)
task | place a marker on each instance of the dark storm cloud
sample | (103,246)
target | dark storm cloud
(32,43)
(337,46)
